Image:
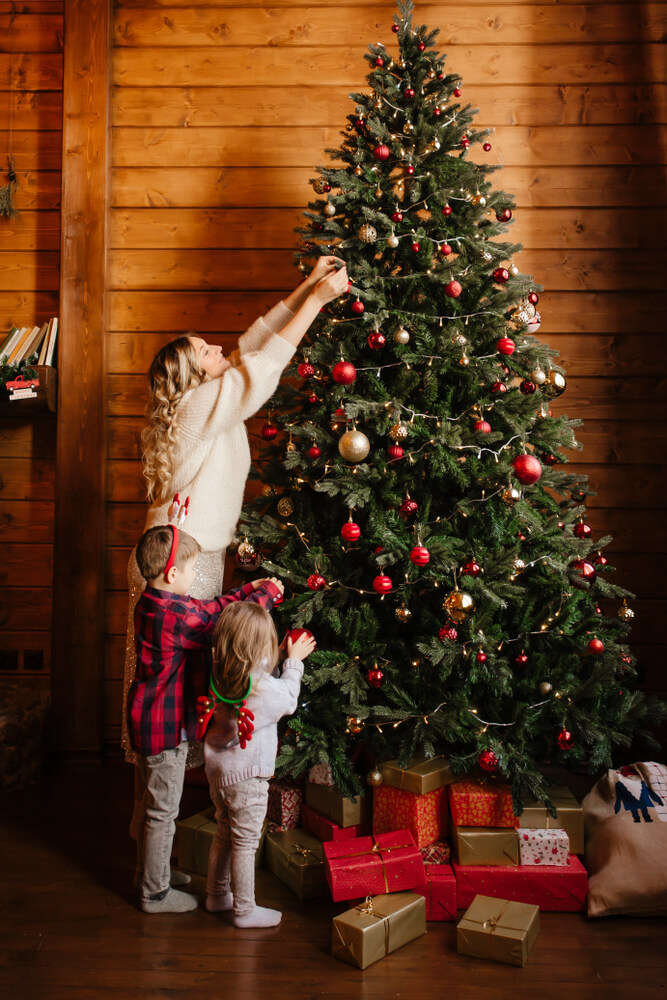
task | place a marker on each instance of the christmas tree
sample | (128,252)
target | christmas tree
(415,500)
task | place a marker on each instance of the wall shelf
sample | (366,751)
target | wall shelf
(44,402)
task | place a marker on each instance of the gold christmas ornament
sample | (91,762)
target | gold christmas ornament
(554,384)
(269,491)
(545,688)
(403,614)
(358,171)
(354,724)
(354,446)
(285,507)
(513,270)
(329,209)
(523,313)
(367,233)
(402,336)
(392,241)
(375,777)
(398,432)
(625,613)
(510,495)
(320,185)
(246,551)
(518,565)
(464,360)
(479,199)
(458,605)
(538,376)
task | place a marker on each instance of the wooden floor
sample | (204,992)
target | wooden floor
(70,928)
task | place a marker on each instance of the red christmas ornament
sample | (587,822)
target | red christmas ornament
(481,656)
(397,216)
(382,584)
(447,210)
(416,247)
(483,426)
(501,275)
(600,560)
(394,28)
(313,399)
(379,61)
(598,609)
(504,214)
(582,530)
(583,569)
(527,469)
(457,92)
(448,632)
(409,93)
(421,46)
(498,387)
(596,646)
(360,123)
(436,111)
(549,459)
(488,761)
(395,451)
(298,633)
(527,387)
(358,307)
(522,659)
(316,581)
(408,507)
(314,451)
(381,152)
(561,525)
(505,346)
(350,531)
(445,249)
(471,568)
(305,370)
(565,740)
(453,289)
(377,340)
(327,186)
(375,677)
(410,170)
(486,147)
(344,373)
(269,431)
(533,298)
(340,413)
(420,556)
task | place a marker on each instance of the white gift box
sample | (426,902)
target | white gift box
(543,847)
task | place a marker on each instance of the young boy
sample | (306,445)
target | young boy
(173,638)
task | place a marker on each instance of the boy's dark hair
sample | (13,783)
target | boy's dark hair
(155,545)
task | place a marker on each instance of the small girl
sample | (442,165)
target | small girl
(245,701)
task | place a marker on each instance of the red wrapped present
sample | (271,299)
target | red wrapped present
(551,887)
(438,853)
(325,829)
(368,866)
(472,803)
(440,892)
(425,816)
(284,807)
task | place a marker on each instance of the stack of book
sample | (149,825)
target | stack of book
(35,344)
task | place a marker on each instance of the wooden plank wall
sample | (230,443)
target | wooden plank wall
(220,114)
(30,122)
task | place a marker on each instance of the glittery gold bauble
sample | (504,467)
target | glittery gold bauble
(523,313)
(358,171)
(375,777)
(408,128)
(320,185)
(464,360)
(510,495)
(268,491)
(398,432)
(403,614)
(354,724)
(458,605)
(285,507)
(367,233)
(624,612)
(554,384)
(545,687)
(518,564)
(329,209)
(479,199)
(402,336)
(354,446)
(459,339)
(290,446)
(246,551)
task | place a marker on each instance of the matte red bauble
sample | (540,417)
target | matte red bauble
(583,569)
(527,468)
(381,152)
(377,340)
(416,247)
(445,249)
(504,215)
(314,451)
(483,426)
(447,210)
(305,369)
(298,633)
(397,216)
(596,646)
(481,656)
(410,170)
(505,346)
(501,275)
(395,451)
(344,373)
(448,633)
(269,431)
(457,91)
(316,581)
(498,387)
(527,387)
(358,307)
(408,507)
(350,531)
(453,289)
(488,760)
(533,298)
(382,584)
(420,555)
(582,530)
(565,740)
(471,568)
(375,677)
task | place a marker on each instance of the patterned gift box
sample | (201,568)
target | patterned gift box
(535,816)
(375,865)
(479,845)
(297,859)
(420,775)
(552,888)
(438,853)
(440,892)
(498,929)
(377,927)
(320,774)
(284,807)
(473,803)
(425,816)
(322,827)
(543,847)
(336,806)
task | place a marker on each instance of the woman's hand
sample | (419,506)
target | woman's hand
(323,267)
(333,284)
(300,648)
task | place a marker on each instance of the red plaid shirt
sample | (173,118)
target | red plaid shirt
(173,639)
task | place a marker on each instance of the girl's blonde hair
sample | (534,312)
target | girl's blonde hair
(243,635)
(174,370)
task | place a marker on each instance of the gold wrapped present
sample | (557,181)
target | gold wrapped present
(570,817)
(186,836)
(498,929)
(296,857)
(374,929)
(336,807)
(424,774)
(480,845)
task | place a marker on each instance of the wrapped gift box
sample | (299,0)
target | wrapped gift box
(193,842)
(284,807)
(296,858)
(570,818)
(425,816)
(440,892)
(377,927)
(375,865)
(335,806)
(551,888)
(479,845)
(320,774)
(322,827)
(473,803)
(498,929)
(543,847)
(438,853)
(420,776)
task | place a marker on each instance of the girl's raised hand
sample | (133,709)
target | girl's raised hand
(332,285)
(300,648)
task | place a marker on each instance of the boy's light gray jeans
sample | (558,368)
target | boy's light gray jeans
(162,777)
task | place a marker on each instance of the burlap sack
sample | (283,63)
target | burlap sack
(625,819)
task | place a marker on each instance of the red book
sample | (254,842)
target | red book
(440,892)
(325,829)
(369,866)
(551,887)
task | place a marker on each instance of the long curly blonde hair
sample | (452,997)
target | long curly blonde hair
(174,370)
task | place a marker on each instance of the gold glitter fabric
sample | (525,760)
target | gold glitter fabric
(209,571)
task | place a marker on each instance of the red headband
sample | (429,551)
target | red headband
(173,551)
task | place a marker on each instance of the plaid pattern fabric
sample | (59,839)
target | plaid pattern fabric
(173,637)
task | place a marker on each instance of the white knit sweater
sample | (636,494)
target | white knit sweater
(271,698)
(213,455)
